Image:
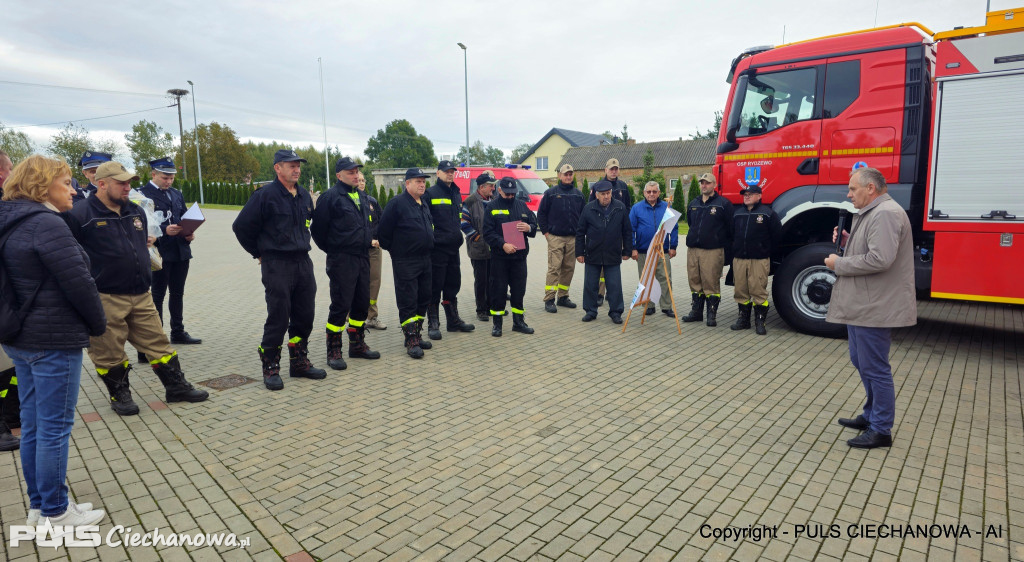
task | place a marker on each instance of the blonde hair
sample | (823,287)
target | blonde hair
(32,177)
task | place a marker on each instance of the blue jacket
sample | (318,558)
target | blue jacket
(645,220)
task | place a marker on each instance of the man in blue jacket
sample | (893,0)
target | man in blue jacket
(645,217)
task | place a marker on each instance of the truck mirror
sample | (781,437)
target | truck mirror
(768,105)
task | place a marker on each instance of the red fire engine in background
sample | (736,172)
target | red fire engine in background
(941,115)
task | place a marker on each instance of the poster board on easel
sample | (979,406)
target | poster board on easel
(648,289)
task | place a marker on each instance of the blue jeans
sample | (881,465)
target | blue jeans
(869,353)
(48,383)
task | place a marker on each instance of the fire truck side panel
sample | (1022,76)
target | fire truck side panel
(977,266)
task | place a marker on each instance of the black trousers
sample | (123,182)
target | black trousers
(592,275)
(172,277)
(291,292)
(349,275)
(511,275)
(481,274)
(412,287)
(446,275)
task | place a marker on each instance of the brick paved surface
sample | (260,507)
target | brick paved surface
(575,443)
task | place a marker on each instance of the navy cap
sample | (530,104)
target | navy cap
(345,163)
(91,159)
(603,186)
(508,185)
(445,165)
(750,189)
(164,165)
(287,156)
(486,177)
(415,173)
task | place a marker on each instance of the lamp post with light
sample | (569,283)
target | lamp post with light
(465,67)
(195,131)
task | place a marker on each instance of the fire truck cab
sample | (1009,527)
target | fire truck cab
(938,114)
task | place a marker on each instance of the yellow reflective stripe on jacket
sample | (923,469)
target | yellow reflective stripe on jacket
(499,211)
(440,201)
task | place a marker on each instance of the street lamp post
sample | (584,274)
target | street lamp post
(178,93)
(195,131)
(465,68)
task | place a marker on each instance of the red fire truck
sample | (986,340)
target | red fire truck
(941,115)
(530,187)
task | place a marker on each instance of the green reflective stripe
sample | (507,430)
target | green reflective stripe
(564,287)
(101,371)
(164,359)
(748,302)
(3,393)
(497,313)
(371,218)
(296,339)
(440,201)
(334,328)
(602,279)
(499,211)
(14,379)
(765,302)
(413,319)
(712,295)
(356,323)
(308,222)
(373,301)
(516,310)
(549,287)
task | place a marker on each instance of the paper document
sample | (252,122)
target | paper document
(191,220)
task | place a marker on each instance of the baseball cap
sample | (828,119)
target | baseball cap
(486,177)
(415,173)
(345,163)
(445,165)
(565,168)
(163,165)
(114,170)
(287,156)
(611,163)
(508,185)
(706,176)
(750,189)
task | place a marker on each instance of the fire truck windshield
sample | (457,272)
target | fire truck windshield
(772,100)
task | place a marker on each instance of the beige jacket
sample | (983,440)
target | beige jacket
(5,361)
(875,288)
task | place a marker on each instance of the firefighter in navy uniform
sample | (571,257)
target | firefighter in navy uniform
(175,249)
(273,227)
(445,203)
(407,233)
(89,161)
(710,220)
(341,228)
(620,193)
(508,265)
(757,231)
(558,216)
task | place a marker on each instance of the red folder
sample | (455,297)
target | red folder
(513,236)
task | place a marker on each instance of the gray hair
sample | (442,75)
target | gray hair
(652,183)
(871,176)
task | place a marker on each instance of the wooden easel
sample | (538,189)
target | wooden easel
(649,265)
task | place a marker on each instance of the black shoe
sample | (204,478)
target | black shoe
(650,311)
(600,300)
(143,360)
(422,343)
(870,440)
(519,324)
(8,442)
(452,318)
(357,348)
(549,306)
(696,308)
(712,302)
(412,340)
(668,313)
(299,365)
(760,314)
(617,318)
(588,317)
(856,423)
(742,317)
(185,339)
(119,390)
(483,316)
(433,322)
(564,301)
(271,360)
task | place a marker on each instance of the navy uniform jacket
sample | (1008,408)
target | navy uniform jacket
(710,223)
(172,202)
(375,211)
(559,210)
(79,191)
(499,211)
(341,221)
(274,223)
(445,204)
(116,245)
(756,232)
(406,230)
(604,236)
(620,192)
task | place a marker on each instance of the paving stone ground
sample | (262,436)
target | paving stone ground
(576,443)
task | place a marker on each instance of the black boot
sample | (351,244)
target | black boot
(424,344)
(564,301)
(177,388)
(451,314)
(760,314)
(116,381)
(519,325)
(549,306)
(357,348)
(412,340)
(496,328)
(8,442)
(742,317)
(713,301)
(335,357)
(433,322)
(271,359)
(299,364)
(696,308)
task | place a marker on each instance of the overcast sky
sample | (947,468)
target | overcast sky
(592,66)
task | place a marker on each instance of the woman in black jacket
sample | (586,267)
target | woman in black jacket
(48,269)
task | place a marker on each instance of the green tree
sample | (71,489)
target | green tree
(15,143)
(223,157)
(679,198)
(398,145)
(147,142)
(711,133)
(586,190)
(70,142)
(519,152)
(694,191)
(648,175)
(481,156)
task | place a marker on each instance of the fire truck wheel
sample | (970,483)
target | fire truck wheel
(802,289)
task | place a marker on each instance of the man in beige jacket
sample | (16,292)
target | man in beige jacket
(873,294)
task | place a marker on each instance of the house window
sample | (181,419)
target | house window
(672,183)
(542,163)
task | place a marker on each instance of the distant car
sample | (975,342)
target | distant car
(531,187)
